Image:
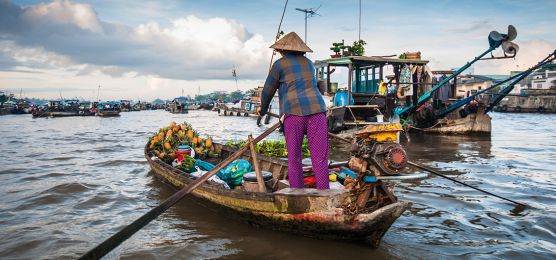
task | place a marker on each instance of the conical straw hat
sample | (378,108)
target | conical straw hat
(291,42)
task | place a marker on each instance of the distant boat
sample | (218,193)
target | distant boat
(87,108)
(247,106)
(58,108)
(125,105)
(179,105)
(108,109)
(530,100)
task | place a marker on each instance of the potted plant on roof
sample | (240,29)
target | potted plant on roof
(337,48)
(348,51)
(358,49)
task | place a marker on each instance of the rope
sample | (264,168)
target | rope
(443,120)
(277,35)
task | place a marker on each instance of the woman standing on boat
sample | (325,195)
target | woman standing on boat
(303,106)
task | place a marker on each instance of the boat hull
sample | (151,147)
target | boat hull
(63,113)
(477,123)
(307,212)
(108,113)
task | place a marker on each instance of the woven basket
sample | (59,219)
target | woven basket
(413,55)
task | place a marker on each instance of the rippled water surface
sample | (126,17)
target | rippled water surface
(68,183)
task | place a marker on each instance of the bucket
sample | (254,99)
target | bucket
(250,181)
(341,98)
(380,118)
(333,88)
(183,150)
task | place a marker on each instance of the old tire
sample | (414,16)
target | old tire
(540,110)
(517,109)
(246,114)
(504,108)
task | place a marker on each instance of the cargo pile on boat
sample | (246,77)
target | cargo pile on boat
(180,146)
(164,144)
(272,148)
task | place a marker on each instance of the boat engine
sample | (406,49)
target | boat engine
(375,152)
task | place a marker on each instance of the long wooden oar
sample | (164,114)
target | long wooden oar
(116,239)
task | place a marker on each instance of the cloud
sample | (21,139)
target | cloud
(474,26)
(71,36)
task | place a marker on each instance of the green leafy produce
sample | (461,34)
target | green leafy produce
(187,164)
(273,148)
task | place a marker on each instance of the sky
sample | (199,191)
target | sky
(161,49)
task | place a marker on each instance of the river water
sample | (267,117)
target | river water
(66,184)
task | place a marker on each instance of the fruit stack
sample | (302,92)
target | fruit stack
(166,141)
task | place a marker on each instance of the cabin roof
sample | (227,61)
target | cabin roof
(363,61)
(181,99)
(109,103)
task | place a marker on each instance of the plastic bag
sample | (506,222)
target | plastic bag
(205,166)
(233,173)
(213,178)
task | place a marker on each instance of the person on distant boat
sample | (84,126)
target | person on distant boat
(303,108)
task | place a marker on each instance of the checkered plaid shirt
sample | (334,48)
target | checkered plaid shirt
(294,77)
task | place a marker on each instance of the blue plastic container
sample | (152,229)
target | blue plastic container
(341,97)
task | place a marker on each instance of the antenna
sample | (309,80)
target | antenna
(98,93)
(359,19)
(234,74)
(308,14)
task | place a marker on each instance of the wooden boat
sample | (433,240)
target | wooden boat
(62,113)
(247,106)
(454,123)
(529,101)
(308,212)
(179,105)
(108,109)
(108,113)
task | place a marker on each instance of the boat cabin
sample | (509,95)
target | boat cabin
(252,101)
(109,106)
(179,105)
(68,105)
(362,100)
(125,105)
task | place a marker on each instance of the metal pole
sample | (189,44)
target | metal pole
(359,19)
(350,71)
(306,28)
